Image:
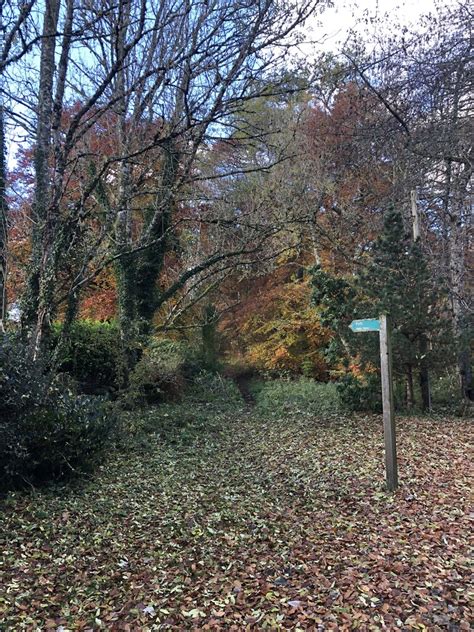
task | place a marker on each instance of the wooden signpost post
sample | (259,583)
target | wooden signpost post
(382,325)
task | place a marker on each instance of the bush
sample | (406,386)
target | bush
(356,395)
(93,356)
(22,384)
(299,396)
(169,370)
(160,374)
(446,393)
(46,432)
(214,389)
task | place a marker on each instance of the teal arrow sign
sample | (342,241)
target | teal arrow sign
(365,324)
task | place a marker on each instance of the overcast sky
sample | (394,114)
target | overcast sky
(333,25)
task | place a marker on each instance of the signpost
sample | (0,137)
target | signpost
(382,325)
(366,324)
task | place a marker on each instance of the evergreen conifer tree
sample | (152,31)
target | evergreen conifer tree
(396,281)
(399,282)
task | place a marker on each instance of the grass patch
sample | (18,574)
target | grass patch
(303,396)
(200,412)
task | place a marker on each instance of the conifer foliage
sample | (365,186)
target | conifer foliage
(394,279)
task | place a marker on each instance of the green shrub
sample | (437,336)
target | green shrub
(93,356)
(22,384)
(63,436)
(46,432)
(299,396)
(159,375)
(446,393)
(214,389)
(356,395)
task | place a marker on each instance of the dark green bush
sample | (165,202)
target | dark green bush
(93,356)
(167,371)
(46,432)
(22,384)
(356,395)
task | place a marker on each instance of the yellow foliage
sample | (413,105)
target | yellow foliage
(277,330)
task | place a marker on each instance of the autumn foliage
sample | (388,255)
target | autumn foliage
(274,329)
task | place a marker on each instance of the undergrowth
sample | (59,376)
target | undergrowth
(302,396)
(207,399)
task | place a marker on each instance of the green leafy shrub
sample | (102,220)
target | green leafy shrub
(160,374)
(46,432)
(93,356)
(214,389)
(22,384)
(299,396)
(356,395)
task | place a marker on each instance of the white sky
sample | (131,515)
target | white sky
(333,25)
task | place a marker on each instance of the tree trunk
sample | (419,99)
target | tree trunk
(410,392)
(461,333)
(209,337)
(35,317)
(457,249)
(424,375)
(151,260)
(138,273)
(415,215)
(424,370)
(465,374)
(125,275)
(3,227)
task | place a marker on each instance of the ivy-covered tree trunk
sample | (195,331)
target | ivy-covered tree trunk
(127,315)
(138,272)
(151,260)
(3,227)
(36,308)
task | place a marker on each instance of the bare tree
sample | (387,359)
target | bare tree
(16,39)
(121,100)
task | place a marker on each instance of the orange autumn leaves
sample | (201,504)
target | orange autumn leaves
(275,329)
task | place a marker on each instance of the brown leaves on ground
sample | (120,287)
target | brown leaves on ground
(280,524)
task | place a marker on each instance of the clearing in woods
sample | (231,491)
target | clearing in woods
(250,524)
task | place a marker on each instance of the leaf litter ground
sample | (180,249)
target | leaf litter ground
(253,524)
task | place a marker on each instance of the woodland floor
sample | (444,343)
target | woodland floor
(255,524)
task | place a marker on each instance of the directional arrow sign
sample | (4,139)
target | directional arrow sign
(365,324)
